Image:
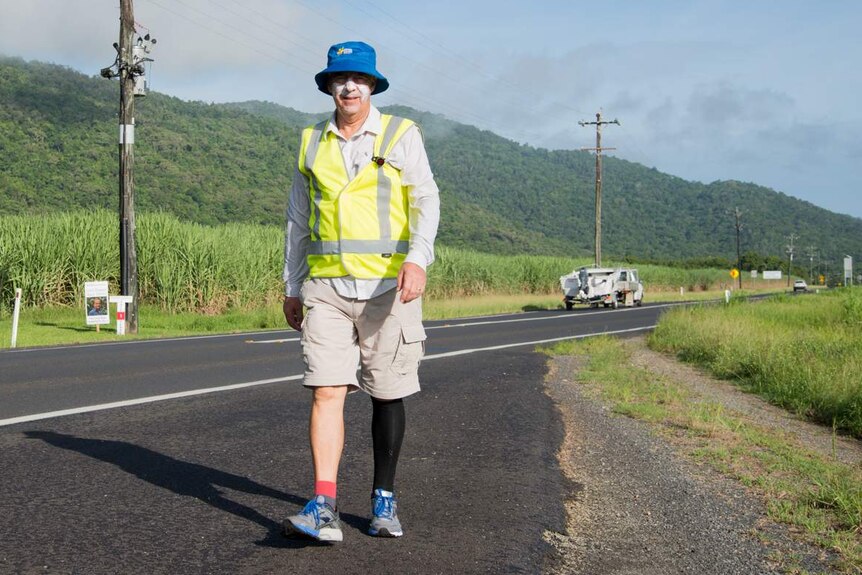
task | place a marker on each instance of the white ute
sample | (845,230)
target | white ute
(611,287)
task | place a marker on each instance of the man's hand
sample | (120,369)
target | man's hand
(411,282)
(293,312)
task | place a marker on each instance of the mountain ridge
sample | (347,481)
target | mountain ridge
(214,163)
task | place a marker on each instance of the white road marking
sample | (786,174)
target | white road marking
(535,342)
(139,401)
(285,340)
(542,318)
(133,341)
(151,399)
(490,322)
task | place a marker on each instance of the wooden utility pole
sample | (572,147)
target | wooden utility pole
(598,150)
(789,248)
(811,252)
(128,69)
(738,214)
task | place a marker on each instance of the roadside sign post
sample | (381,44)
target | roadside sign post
(848,271)
(121,301)
(15,315)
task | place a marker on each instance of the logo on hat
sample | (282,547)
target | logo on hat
(344,50)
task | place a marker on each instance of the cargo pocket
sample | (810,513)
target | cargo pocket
(411,348)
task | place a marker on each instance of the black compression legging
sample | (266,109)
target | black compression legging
(387,431)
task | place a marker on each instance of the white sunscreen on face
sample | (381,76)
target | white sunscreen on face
(364,91)
(345,89)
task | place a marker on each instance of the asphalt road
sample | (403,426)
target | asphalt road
(49,380)
(200,483)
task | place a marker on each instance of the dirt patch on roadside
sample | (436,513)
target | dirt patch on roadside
(638,506)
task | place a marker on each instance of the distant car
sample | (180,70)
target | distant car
(800,285)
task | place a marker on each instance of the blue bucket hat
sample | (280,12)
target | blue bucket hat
(351,57)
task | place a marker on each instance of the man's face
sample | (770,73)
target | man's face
(351,92)
(97,303)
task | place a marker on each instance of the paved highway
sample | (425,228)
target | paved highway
(40,382)
(184,456)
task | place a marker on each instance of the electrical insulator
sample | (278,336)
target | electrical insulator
(139,56)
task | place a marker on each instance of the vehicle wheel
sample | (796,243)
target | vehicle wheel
(639,302)
(569,305)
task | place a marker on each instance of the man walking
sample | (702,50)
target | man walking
(361,221)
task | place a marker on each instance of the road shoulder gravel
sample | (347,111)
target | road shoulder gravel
(638,506)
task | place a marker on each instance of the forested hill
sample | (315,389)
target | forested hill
(212,163)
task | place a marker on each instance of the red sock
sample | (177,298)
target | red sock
(325,488)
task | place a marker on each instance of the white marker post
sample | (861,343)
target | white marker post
(121,301)
(15,315)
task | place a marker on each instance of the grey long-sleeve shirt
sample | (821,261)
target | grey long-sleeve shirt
(409,156)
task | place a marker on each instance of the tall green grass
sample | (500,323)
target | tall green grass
(184,266)
(181,266)
(802,353)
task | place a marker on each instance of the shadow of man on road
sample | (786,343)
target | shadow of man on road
(188,479)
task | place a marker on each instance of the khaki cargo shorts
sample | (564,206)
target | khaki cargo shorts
(382,336)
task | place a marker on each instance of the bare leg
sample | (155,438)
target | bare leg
(326,431)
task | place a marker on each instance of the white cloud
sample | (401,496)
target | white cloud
(706,91)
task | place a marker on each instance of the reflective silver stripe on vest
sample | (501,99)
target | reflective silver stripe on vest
(320,248)
(384,184)
(310,155)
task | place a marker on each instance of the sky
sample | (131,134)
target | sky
(761,91)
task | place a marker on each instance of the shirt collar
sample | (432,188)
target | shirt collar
(372,124)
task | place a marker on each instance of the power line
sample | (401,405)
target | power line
(411,33)
(268,21)
(405,26)
(409,98)
(433,103)
(227,37)
(400,53)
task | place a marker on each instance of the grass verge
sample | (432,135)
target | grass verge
(801,353)
(814,492)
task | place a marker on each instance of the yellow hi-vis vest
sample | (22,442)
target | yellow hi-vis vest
(359,227)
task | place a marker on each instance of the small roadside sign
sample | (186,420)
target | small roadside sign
(96,303)
(734,273)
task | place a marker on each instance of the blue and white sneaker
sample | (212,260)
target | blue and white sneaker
(385,521)
(317,520)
